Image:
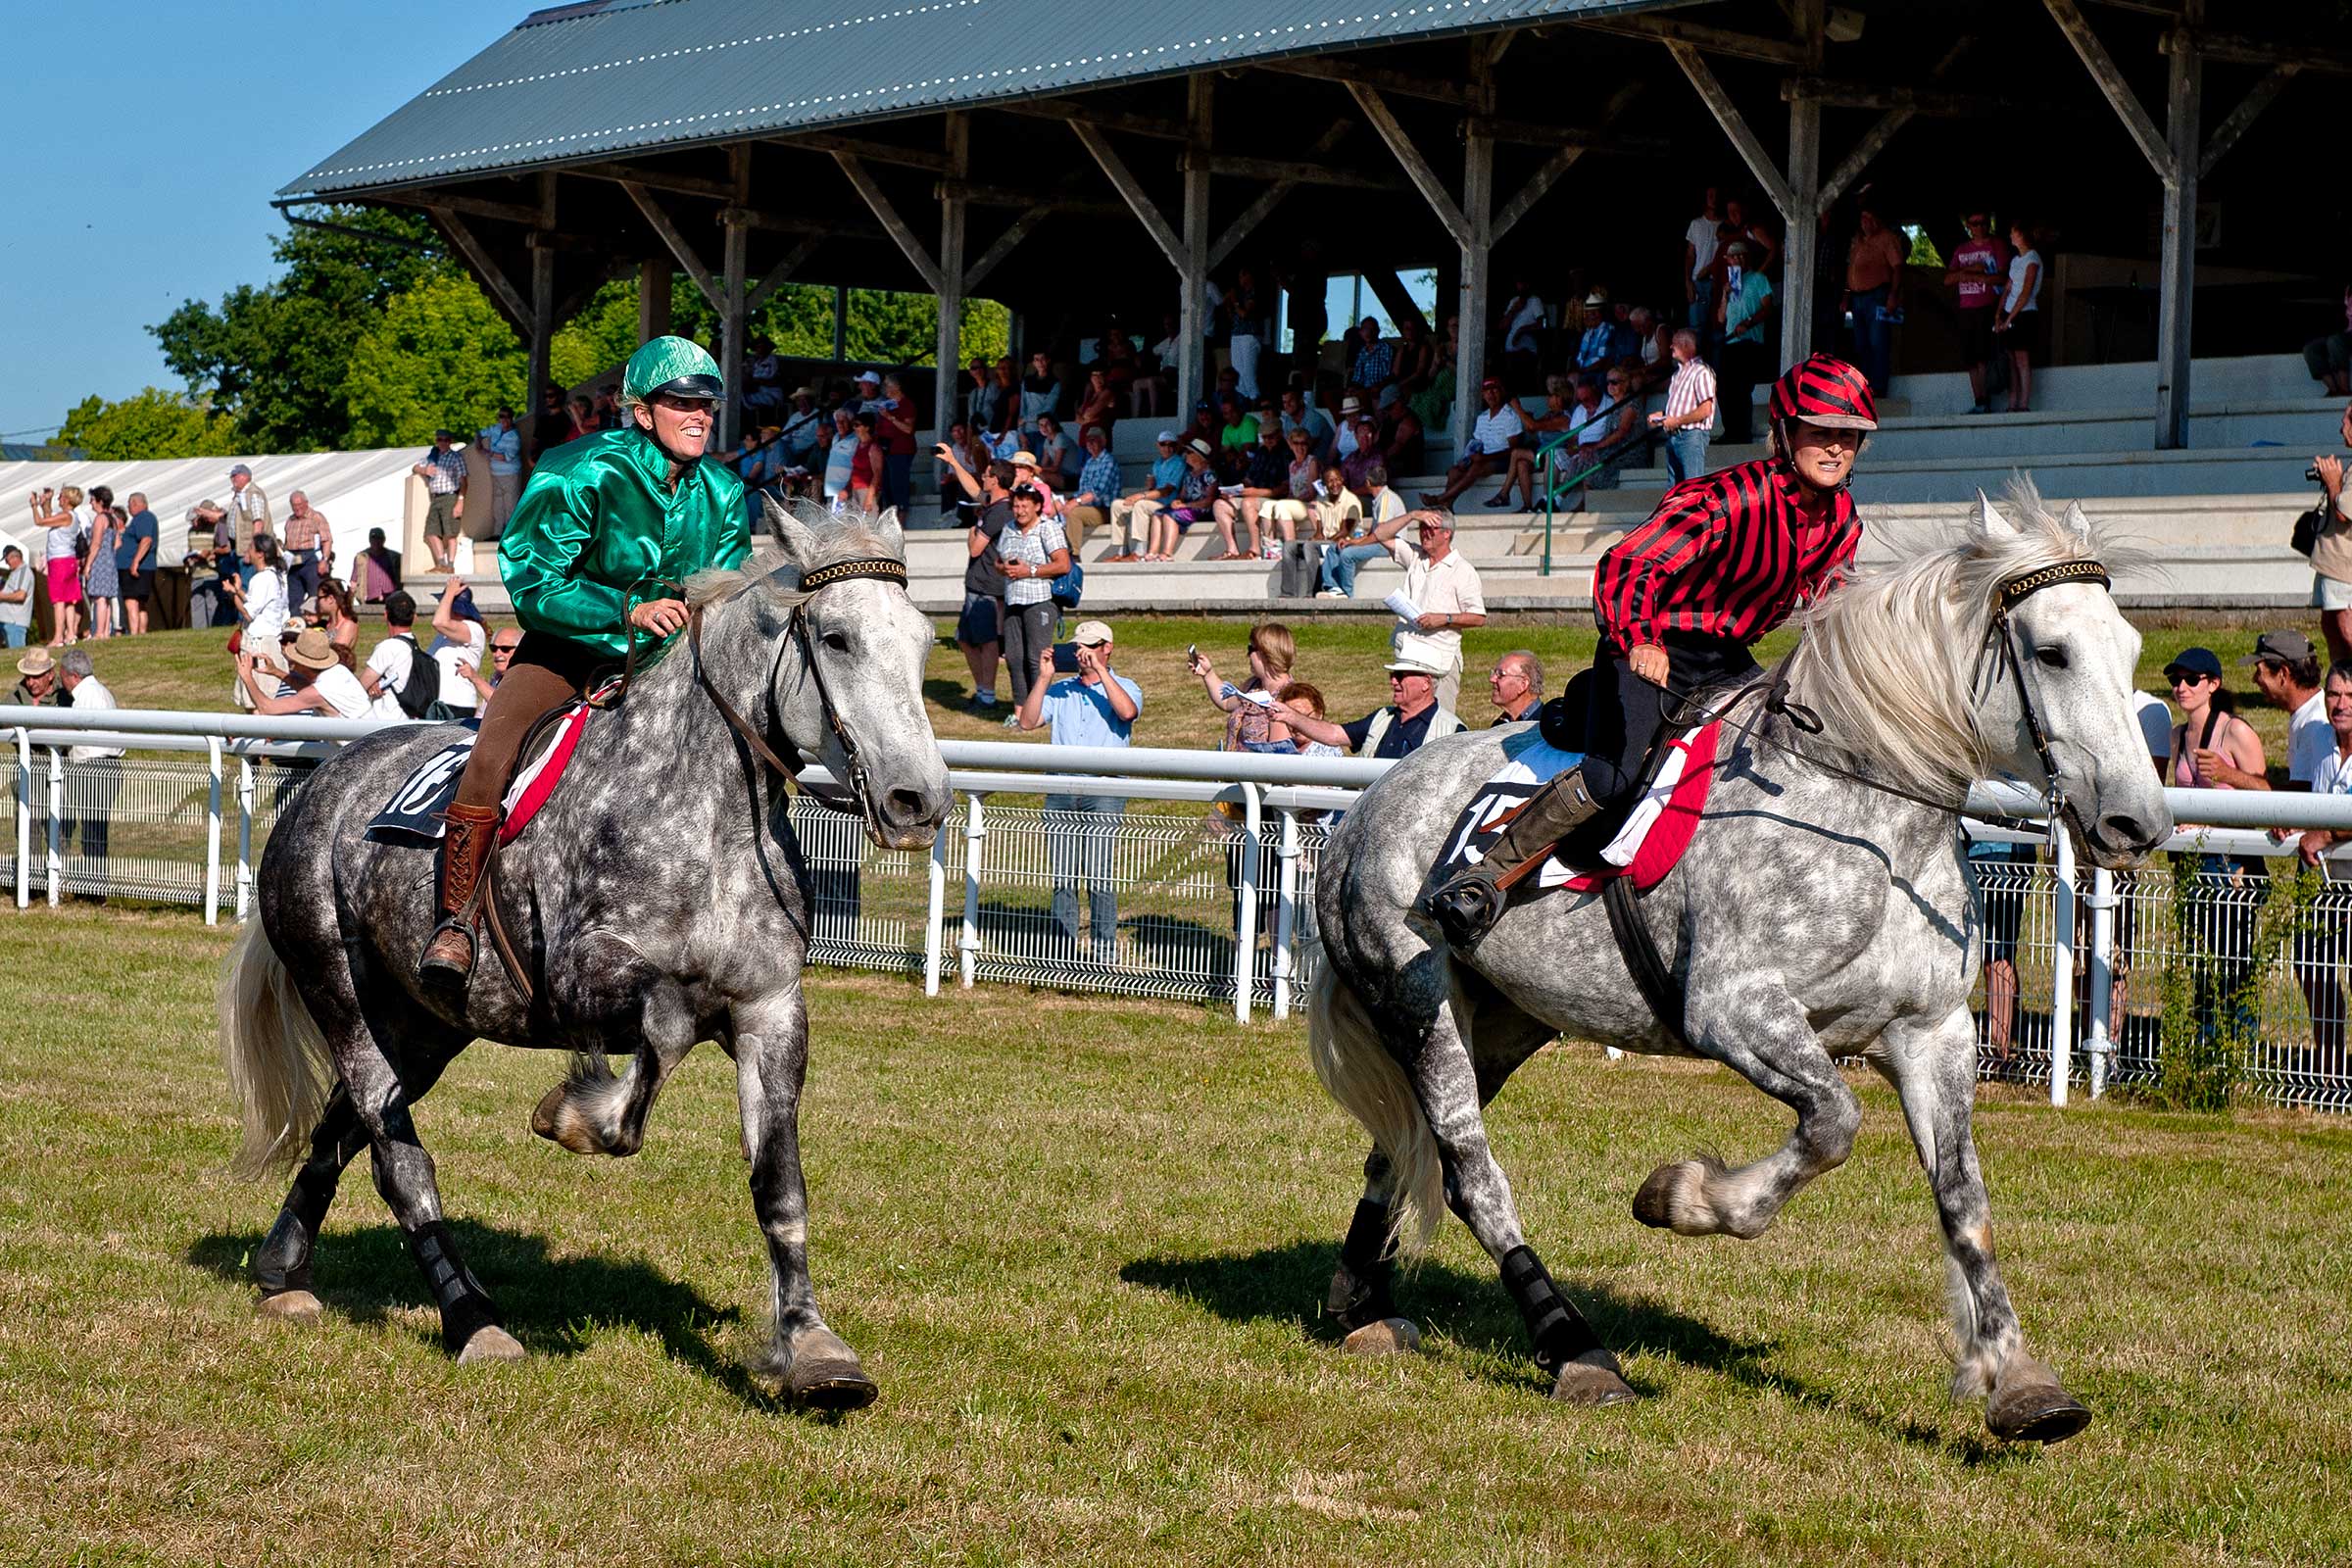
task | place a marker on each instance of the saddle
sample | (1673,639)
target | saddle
(1640,844)
(414,814)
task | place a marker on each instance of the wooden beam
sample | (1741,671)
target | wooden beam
(1590,138)
(781,273)
(541,338)
(1416,168)
(2109,76)
(1008,196)
(1245,222)
(2177,272)
(1192,244)
(2244,51)
(1006,243)
(1295,172)
(917,256)
(1695,35)
(490,273)
(2258,98)
(661,226)
(654,302)
(718,190)
(1928,101)
(871,152)
(464,206)
(1100,118)
(1874,140)
(733,318)
(1131,191)
(1559,163)
(1349,70)
(1802,243)
(948,349)
(1727,114)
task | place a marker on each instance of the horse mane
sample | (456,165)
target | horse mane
(840,537)
(1888,658)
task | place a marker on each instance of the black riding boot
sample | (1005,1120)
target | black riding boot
(1467,906)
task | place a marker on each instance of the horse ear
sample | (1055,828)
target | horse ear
(795,538)
(2078,521)
(892,533)
(1990,523)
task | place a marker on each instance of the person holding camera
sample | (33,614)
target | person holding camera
(54,511)
(1097,709)
(2331,550)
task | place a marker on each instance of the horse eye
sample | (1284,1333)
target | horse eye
(837,641)
(2051,658)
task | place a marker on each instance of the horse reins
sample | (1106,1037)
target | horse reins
(879,569)
(1999,646)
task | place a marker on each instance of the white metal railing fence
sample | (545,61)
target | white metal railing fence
(1191,875)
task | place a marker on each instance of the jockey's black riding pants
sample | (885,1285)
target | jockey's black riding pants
(1626,714)
(546,673)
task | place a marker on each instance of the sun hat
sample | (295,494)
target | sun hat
(804,390)
(874,377)
(36,662)
(1404,665)
(2196,661)
(1196,444)
(313,650)
(1091,634)
(1351,405)
(1023,459)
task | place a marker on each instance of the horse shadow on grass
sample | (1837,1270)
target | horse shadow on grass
(555,1305)
(1288,1283)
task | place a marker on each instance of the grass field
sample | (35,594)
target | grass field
(189,669)
(1081,1243)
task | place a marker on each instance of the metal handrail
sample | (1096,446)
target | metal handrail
(1546,463)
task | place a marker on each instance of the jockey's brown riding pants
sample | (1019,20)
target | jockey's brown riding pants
(546,672)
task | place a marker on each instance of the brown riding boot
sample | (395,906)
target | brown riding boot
(448,958)
(1467,906)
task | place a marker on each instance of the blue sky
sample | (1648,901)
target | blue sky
(143,143)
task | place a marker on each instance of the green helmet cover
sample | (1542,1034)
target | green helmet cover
(665,361)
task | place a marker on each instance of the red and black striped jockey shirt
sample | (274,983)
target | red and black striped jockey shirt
(1727,554)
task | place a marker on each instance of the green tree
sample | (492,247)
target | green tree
(153,423)
(438,356)
(277,358)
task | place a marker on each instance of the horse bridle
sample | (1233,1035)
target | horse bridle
(878,568)
(2000,648)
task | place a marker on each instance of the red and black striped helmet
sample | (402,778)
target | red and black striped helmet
(1826,391)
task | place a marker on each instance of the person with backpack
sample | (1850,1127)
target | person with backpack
(401,681)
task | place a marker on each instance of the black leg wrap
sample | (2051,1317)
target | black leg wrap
(1559,1331)
(464,1305)
(1365,1258)
(284,1261)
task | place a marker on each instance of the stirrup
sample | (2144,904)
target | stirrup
(440,971)
(1467,908)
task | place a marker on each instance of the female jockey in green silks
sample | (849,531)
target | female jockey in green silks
(601,537)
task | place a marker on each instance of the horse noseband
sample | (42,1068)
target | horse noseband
(2002,647)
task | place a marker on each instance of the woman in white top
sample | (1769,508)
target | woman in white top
(58,516)
(320,683)
(2020,321)
(261,601)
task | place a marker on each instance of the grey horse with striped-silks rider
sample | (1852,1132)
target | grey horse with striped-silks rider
(1981,655)
(657,899)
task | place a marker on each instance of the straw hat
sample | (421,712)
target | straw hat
(313,650)
(36,662)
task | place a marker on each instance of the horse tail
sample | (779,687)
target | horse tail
(278,1068)
(1357,1071)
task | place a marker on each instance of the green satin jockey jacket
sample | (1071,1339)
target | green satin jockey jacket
(597,532)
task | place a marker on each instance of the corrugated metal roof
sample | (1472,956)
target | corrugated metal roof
(627,76)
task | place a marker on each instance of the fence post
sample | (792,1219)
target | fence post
(1286,916)
(57,823)
(2099,1043)
(975,833)
(1245,920)
(211,833)
(244,835)
(937,895)
(2062,962)
(23,819)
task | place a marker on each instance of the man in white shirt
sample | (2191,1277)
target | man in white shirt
(393,660)
(1444,588)
(503,444)
(2319,944)
(94,775)
(16,597)
(1699,259)
(2287,670)
(1496,428)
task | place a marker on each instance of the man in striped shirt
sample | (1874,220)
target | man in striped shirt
(1689,418)
(1723,561)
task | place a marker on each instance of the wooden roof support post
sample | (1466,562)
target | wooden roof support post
(2258,98)
(1478,248)
(2177,285)
(660,221)
(951,212)
(543,318)
(1564,157)
(1727,114)
(1192,360)
(893,225)
(734,288)
(653,300)
(488,271)
(1802,216)
(1271,197)
(780,274)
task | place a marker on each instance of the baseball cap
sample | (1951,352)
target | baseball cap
(1413,667)
(240,468)
(2280,646)
(1494,381)
(2196,661)
(874,377)
(1091,634)
(1169,438)
(1196,444)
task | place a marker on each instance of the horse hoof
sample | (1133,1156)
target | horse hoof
(558,1120)
(2028,1405)
(1650,1204)
(1391,1335)
(826,1374)
(490,1342)
(290,1306)
(1593,1384)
